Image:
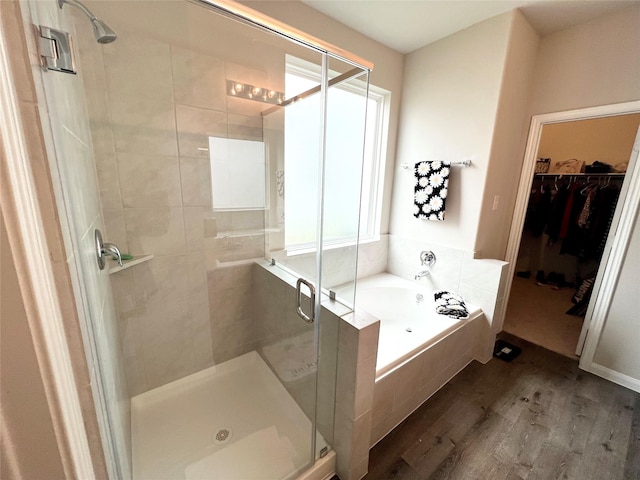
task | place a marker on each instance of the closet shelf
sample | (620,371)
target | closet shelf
(580,174)
(136,260)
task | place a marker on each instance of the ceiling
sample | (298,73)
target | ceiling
(406,25)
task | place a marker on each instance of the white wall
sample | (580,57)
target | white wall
(387,72)
(595,63)
(509,139)
(456,105)
(448,111)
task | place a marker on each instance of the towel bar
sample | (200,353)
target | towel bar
(464,163)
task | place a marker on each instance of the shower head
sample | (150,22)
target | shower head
(101,31)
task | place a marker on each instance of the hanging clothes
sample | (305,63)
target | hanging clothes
(579,214)
(538,209)
(571,234)
(556,214)
(602,217)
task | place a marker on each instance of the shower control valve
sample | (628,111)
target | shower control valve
(427,258)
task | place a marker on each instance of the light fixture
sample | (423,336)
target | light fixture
(252,92)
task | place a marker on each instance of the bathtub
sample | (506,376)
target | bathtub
(408,319)
(418,350)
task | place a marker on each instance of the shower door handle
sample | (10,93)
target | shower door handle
(312,300)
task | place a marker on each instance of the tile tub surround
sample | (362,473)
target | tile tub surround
(357,354)
(399,392)
(481,282)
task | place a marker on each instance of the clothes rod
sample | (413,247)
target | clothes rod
(581,174)
(464,163)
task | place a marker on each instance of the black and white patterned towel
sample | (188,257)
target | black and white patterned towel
(451,305)
(431,188)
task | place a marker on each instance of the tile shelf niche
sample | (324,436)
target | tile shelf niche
(246,233)
(136,260)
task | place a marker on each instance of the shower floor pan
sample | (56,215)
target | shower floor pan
(231,421)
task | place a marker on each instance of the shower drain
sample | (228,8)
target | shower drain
(222,436)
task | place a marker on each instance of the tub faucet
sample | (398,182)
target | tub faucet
(427,259)
(424,273)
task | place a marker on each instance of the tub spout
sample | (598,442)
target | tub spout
(424,273)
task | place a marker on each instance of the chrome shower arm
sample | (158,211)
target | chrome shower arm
(75,3)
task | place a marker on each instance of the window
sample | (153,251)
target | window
(237,174)
(343,159)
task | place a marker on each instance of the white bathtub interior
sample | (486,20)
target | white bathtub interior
(233,420)
(408,320)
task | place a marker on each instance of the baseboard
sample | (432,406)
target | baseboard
(615,377)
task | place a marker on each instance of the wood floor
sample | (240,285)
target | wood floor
(538,417)
(538,314)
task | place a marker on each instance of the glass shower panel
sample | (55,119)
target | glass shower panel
(292,133)
(343,176)
(194,119)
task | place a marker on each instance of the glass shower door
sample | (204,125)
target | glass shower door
(316,143)
(290,322)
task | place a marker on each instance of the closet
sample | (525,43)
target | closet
(571,206)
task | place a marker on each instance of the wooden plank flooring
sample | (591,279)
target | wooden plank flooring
(538,417)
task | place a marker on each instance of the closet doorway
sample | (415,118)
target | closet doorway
(572,198)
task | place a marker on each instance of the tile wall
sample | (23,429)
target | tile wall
(152,106)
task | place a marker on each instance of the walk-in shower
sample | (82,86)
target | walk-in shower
(209,144)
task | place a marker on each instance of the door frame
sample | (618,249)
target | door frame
(613,255)
(618,243)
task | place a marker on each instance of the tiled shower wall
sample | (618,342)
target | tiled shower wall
(152,106)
